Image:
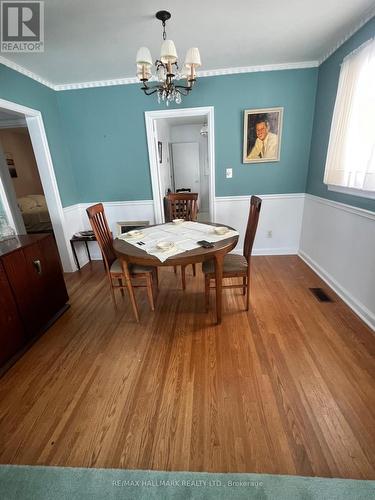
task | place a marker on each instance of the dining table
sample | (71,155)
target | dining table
(130,252)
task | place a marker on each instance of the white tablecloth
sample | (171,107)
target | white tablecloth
(184,236)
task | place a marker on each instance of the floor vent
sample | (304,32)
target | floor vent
(320,294)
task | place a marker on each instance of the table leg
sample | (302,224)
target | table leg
(88,251)
(219,260)
(75,255)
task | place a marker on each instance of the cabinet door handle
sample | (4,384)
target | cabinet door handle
(38,266)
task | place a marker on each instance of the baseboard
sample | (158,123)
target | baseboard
(268,251)
(365,314)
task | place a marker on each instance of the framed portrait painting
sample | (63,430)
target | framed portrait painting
(262,135)
(11,166)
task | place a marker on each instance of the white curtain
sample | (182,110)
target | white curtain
(351,151)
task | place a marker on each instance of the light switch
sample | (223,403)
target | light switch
(229,173)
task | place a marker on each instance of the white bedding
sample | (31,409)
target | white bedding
(35,213)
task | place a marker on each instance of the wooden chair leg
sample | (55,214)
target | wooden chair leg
(150,291)
(156,272)
(183,277)
(155,282)
(112,293)
(248,294)
(121,285)
(207,292)
(194,270)
(244,285)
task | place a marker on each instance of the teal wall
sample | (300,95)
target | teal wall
(22,90)
(325,100)
(98,141)
(105,132)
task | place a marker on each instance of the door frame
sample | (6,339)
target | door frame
(151,132)
(44,163)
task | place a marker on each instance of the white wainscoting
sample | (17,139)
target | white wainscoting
(281,214)
(338,243)
(76,220)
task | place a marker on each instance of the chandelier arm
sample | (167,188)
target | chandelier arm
(150,90)
(182,89)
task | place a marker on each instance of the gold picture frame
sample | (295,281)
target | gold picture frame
(262,135)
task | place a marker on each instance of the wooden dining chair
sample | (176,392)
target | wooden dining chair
(182,205)
(113,265)
(236,266)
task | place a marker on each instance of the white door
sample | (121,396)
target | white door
(186,166)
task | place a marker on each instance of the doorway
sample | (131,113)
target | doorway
(16,116)
(31,206)
(181,155)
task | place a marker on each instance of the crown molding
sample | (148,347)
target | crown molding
(209,72)
(369,14)
(26,72)
(257,69)
(97,83)
(134,80)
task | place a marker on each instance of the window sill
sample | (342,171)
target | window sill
(352,191)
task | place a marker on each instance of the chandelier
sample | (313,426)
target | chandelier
(168,74)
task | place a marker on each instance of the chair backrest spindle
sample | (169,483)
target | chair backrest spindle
(102,233)
(252,224)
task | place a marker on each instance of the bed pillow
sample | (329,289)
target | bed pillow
(26,203)
(39,198)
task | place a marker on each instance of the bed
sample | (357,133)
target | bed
(35,213)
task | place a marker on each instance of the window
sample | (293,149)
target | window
(350,164)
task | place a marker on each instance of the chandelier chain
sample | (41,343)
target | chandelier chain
(164,32)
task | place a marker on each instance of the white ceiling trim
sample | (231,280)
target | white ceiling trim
(257,69)
(209,72)
(366,17)
(26,72)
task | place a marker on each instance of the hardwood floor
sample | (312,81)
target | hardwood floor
(287,388)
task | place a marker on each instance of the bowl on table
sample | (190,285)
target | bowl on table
(178,221)
(221,230)
(136,233)
(165,245)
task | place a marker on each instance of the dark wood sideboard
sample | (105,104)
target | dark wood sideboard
(32,292)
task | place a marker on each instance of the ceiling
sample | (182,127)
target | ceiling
(91,40)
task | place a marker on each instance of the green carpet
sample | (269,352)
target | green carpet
(65,483)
